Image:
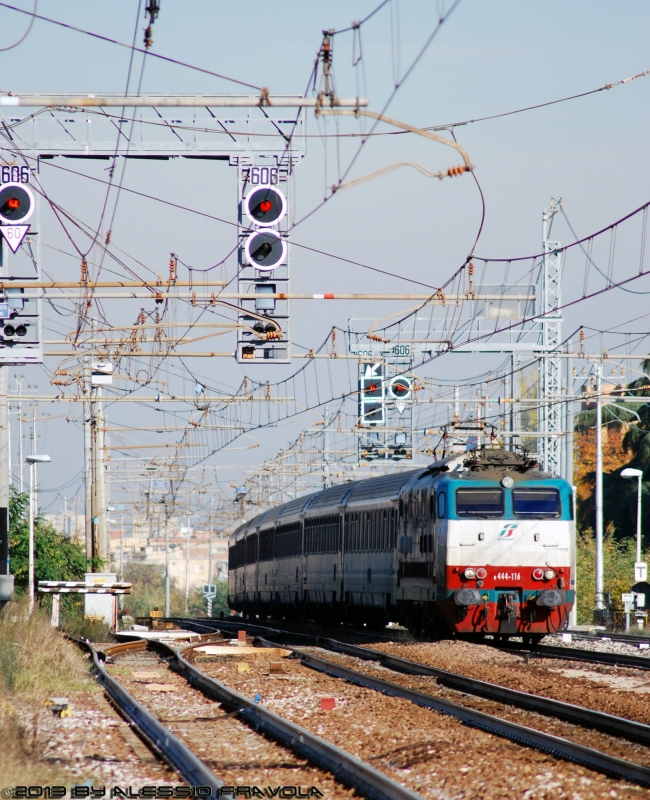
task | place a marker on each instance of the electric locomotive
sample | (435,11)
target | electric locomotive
(474,544)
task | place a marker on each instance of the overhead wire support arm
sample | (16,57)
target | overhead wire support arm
(190,101)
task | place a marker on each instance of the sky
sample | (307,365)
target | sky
(487,58)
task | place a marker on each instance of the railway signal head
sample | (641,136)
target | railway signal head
(400,388)
(265,206)
(265,250)
(16,203)
(371,396)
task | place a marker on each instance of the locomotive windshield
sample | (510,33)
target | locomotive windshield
(536,502)
(479,502)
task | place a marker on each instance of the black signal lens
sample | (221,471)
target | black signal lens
(265,206)
(16,203)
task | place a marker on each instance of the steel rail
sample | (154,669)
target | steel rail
(625,728)
(628,729)
(573,654)
(191,768)
(529,737)
(353,772)
(557,746)
(627,638)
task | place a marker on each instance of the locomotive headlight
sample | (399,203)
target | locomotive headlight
(481,573)
(549,574)
(507,482)
(538,574)
(469,573)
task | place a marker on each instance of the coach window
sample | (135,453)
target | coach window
(432,505)
(442,505)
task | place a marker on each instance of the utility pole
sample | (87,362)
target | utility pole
(91,549)
(99,481)
(21,482)
(210,543)
(600,614)
(166,562)
(121,546)
(149,509)
(6,580)
(326,466)
(568,468)
(187,569)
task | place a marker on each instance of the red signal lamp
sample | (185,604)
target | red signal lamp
(266,205)
(13,203)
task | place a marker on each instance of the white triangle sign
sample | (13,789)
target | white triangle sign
(14,234)
(400,405)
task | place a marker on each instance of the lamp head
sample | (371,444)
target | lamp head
(37,459)
(629,472)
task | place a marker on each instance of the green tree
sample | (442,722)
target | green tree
(56,558)
(220,602)
(618,558)
(149,592)
(620,495)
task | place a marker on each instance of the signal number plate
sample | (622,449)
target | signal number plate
(14,174)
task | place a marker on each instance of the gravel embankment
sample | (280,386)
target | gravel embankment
(432,754)
(621,691)
(236,754)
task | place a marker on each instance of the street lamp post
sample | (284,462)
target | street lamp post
(638,474)
(32,460)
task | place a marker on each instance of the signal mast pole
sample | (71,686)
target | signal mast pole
(600,612)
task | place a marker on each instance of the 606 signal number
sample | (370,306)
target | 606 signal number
(264,176)
(14,174)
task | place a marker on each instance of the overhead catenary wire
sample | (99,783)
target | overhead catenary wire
(27,32)
(109,40)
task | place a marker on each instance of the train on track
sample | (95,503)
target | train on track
(474,544)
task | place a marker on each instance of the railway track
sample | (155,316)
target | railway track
(348,770)
(529,736)
(624,638)
(573,654)
(161,740)
(540,650)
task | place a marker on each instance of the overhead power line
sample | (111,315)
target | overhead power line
(107,39)
(27,32)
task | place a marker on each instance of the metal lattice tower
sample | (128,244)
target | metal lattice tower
(550,369)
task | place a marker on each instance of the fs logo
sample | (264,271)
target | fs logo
(508,531)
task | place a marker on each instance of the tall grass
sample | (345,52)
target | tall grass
(36,663)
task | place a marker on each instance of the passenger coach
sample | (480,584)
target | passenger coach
(481,543)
